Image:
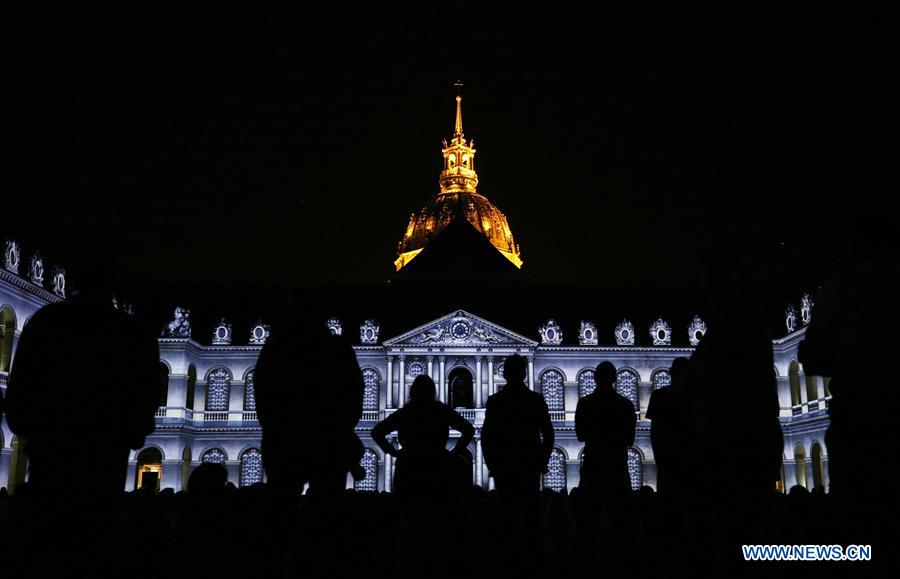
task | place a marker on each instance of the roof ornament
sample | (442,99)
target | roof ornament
(368,332)
(696,330)
(180,326)
(625,333)
(12,256)
(587,334)
(551,333)
(36,269)
(806,306)
(222,333)
(790,318)
(661,333)
(260,333)
(334,326)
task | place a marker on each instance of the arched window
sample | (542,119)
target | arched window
(7,335)
(218,389)
(249,392)
(163,384)
(369,463)
(214,456)
(415,369)
(634,469)
(627,385)
(251,467)
(372,384)
(812,390)
(586,383)
(794,380)
(552,387)
(149,468)
(661,379)
(555,478)
(800,465)
(815,454)
(191,387)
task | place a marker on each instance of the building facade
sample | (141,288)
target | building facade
(209,413)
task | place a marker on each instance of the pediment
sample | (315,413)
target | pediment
(460,329)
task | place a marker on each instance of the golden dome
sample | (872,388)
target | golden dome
(458,197)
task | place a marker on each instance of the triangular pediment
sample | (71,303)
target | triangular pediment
(460,329)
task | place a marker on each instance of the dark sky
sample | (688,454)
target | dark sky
(215,145)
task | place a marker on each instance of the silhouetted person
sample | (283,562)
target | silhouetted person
(57,377)
(733,368)
(517,434)
(670,433)
(849,339)
(309,392)
(79,412)
(424,467)
(604,421)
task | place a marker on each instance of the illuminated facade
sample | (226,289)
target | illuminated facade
(209,413)
(458,197)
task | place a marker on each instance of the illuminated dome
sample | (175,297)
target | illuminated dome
(458,198)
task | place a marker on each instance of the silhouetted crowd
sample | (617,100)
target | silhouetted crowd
(715,433)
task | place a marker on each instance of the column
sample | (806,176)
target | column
(401,379)
(171,474)
(388,464)
(479,463)
(531,372)
(177,395)
(389,391)
(491,390)
(442,390)
(430,367)
(478,394)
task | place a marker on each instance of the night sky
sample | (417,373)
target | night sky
(211,146)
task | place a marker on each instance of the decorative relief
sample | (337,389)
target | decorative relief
(12,256)
(334,326)
(368,332)
(260,333)
(625,333)
(551,333)
(36,269)
(661,333)
(587,334)
(180,326)
(790,318)
(59,281)
(222,333)
(696,330)
(806,306)
(457,331)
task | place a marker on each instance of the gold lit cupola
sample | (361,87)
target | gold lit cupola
(458,197)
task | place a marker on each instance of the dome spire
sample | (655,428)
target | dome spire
(458,128)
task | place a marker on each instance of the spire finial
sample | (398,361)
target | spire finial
(458,129)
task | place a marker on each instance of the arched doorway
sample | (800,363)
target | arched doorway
(7,335)
(149,469)
(163,385)
(459,388)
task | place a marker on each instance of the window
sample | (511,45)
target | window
(249,392)
(634,469)
(251,467)
(794,379)
(214,456)
(218,389)
(661,379)
(415,369)
(372,383)
(627,385)
(552,387)
(555,478)
(586,383)
(369,462)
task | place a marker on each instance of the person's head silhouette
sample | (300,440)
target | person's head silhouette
(678,366)
(422,390)
(605,375)
(514,369)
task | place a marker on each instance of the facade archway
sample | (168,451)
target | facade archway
(371,388)
(812,391)
(163,384)
(586,382)
(555,477)
(553,389)
(250,391)
(794,380)
(815,454)
(627,382)
(185,467)
(214,455)
(800,465)
(149,469)
(369,463)
(661,378)
(218,389)
(7,336)
(251,467)
(635,472)
(191,387)
(459,388)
